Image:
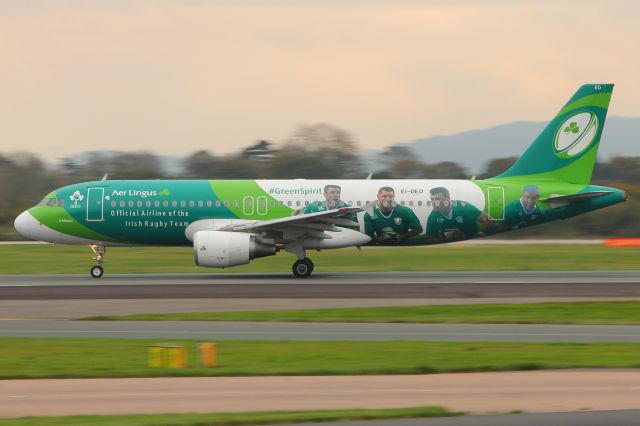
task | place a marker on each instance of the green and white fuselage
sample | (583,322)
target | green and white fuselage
(230,222)
(158,212)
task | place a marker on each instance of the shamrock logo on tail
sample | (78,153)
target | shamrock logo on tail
(572,127)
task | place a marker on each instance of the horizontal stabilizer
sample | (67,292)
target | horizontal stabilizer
(576,198)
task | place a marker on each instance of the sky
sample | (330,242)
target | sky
(173,77)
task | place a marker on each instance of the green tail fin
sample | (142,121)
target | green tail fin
(566,149)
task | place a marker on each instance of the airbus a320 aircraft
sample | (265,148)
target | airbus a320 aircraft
(231,222)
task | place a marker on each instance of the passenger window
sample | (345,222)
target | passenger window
(52,202)
(209,203)
(411,203)
(297,203)
(121,203)
(165,204)
(226,203)
(60,202)
(359,203)
(174,204)
(235,203)
(139,203)
(218,203)
(200,204)
(130,203)
(156,203)
(148,204)
(113,204)
(419,203)
(306,203)
(191,204)
(289,203)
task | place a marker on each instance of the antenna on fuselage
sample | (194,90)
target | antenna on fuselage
(369,176)
(105,176)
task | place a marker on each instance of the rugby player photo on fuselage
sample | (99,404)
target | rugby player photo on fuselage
(331,201)
(389,222)
(525,210)
(453,219)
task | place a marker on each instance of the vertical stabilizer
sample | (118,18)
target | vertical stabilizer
(566,149)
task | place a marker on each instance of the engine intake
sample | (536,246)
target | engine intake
(221,249)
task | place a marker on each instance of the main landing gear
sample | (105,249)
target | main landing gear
(97,270)
(302,268)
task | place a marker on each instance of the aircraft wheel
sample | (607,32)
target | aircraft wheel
(302,268)
(96,271)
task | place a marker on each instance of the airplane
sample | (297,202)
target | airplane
(231,222)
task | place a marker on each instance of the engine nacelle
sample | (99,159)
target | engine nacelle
(221,249)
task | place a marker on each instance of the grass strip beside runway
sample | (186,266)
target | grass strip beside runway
(611,313)
(234,419)
(22,358)
(56,259)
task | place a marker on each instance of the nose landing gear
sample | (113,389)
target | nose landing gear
(97,270)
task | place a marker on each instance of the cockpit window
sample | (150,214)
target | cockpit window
(49,201)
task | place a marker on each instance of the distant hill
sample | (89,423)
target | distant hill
(474,148)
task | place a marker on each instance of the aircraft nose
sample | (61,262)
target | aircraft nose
(26,224)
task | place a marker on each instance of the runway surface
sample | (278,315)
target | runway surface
(320,331)
(531,391)
(327,285)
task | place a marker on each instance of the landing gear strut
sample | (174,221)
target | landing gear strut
(97,270)
(302,268)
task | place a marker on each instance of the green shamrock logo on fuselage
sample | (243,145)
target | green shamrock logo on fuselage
(572,127)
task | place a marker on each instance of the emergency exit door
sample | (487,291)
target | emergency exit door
(495,200)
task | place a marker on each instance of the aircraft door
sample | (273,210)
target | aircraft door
(95,205)
(495,202)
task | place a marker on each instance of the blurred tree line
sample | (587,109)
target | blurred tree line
(311,152)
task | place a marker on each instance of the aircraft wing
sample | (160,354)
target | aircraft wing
(575,198)
(313,223)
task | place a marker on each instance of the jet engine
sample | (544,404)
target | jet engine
(222,249)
